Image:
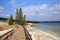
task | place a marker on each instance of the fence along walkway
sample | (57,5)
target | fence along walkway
(6,34)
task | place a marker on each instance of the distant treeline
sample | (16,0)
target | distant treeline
(33,21)
(1,18)
(43,21)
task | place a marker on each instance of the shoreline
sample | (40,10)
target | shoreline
(55,37)
(49,32)
(40,34)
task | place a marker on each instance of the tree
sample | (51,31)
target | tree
(19,17)
(10,20)
(24,20)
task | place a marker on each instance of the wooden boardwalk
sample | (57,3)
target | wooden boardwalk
(19,34)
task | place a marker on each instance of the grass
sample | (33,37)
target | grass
(3,26)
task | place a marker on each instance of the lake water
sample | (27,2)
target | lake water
(52,28)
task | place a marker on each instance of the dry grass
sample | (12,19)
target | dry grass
(3,26)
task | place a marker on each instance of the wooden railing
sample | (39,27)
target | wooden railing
(7,35)
(28,36)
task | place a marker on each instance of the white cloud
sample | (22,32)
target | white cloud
(43,6)
(4,15)
(57,6)
(12,2)
(1,9)
(32,10)
(7,15)
(43,12)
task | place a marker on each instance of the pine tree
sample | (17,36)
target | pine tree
(24,20)
(19,17)
(10,20)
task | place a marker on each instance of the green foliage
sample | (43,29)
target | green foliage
(24,20)
(10,20)
(19,17)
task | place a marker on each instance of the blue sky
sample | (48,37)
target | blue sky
(36,10)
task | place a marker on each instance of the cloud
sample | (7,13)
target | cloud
(4,15)
(43,12)
(12,2)
(7,15)
(57,6)
(43,6)
(1,9)
(32,10)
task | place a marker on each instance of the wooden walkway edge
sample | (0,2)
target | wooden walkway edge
(19,34)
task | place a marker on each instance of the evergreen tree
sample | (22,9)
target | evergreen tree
(10,20)
(24,20)
(19,17)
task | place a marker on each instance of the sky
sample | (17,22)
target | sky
(35,10)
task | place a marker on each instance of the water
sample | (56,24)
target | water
(52,28)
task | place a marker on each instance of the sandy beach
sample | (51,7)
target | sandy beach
(40,35)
